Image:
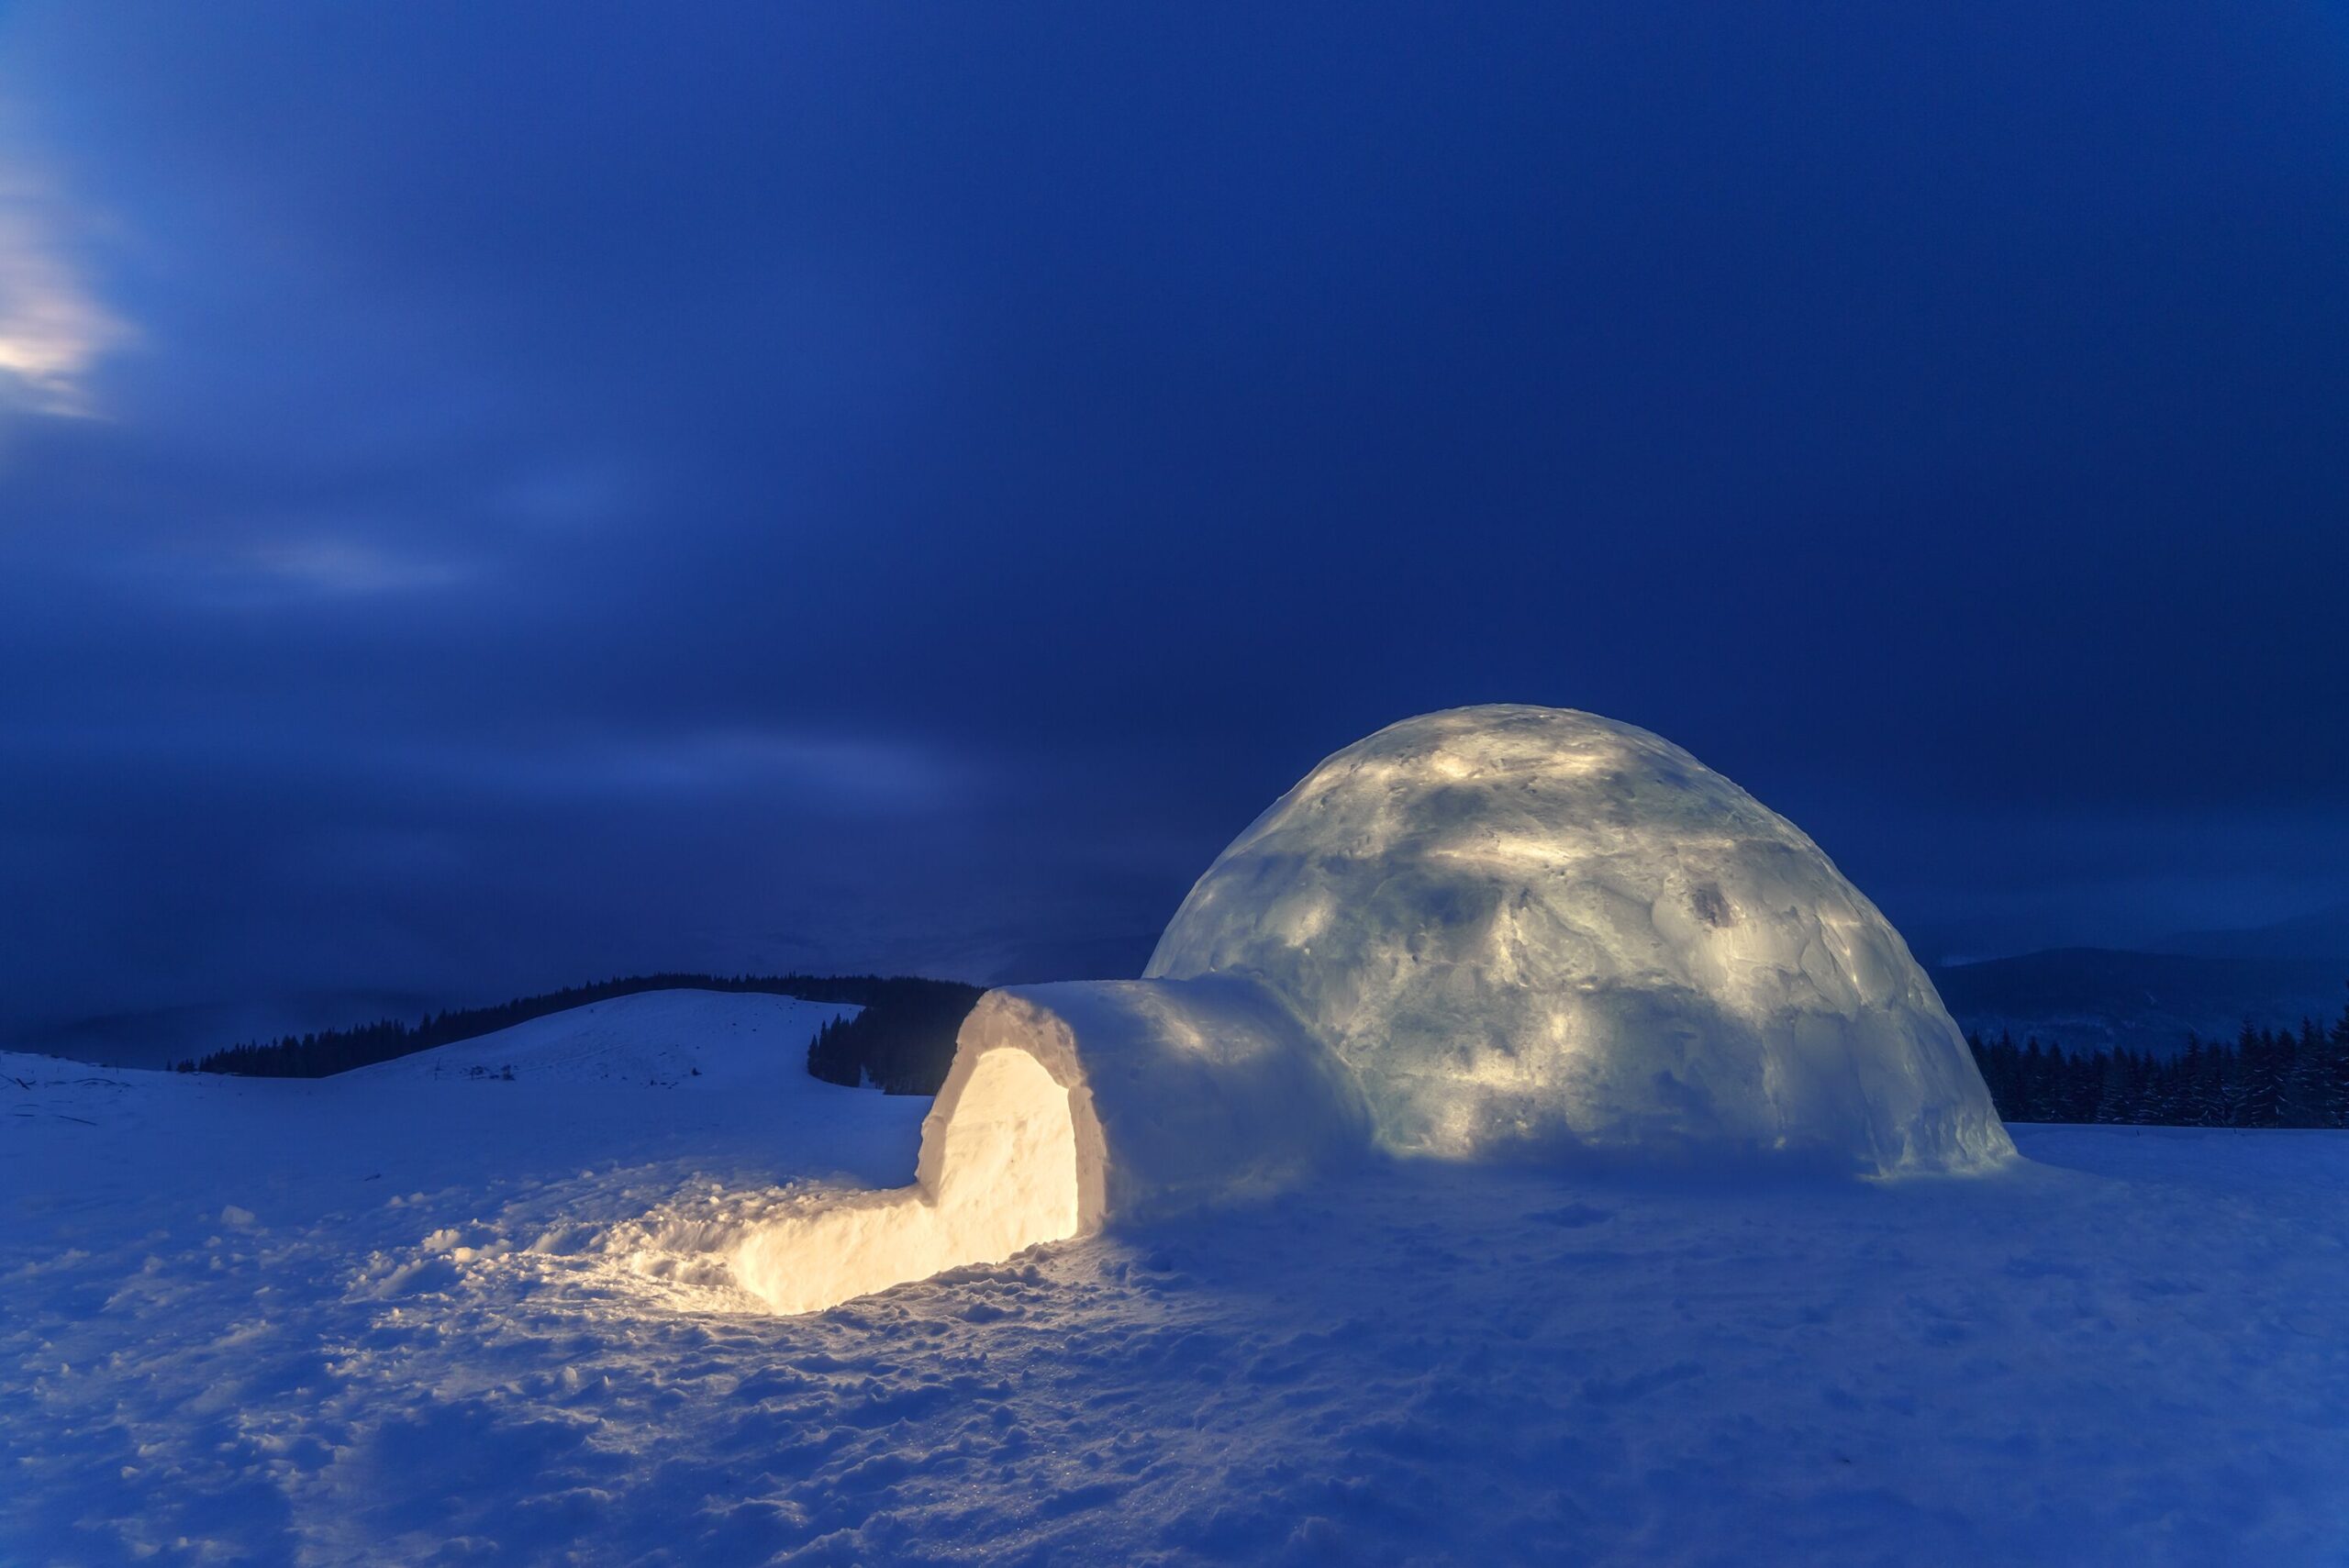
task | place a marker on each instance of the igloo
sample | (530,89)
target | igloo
(1502,931)
(1527,925)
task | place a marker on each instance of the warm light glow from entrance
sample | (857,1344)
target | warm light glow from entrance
(1007,1180)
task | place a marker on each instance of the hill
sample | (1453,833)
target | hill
(903,1033)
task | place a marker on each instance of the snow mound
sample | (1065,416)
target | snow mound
(1524,924)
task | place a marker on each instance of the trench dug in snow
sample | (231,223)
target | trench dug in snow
(1001,1177)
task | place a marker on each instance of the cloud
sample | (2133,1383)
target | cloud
(286,572)
(340,567)
(53,329)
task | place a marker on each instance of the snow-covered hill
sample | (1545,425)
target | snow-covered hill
(415,1316)
(699,1039)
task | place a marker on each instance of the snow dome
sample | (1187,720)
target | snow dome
(1525,925)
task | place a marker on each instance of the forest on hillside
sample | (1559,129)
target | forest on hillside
(2265,1077)
(909,1019)
(902,1047)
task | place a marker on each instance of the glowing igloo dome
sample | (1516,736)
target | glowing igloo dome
(1523,924)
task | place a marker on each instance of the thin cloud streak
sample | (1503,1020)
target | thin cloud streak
(338,566)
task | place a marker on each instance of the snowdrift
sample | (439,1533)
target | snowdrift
(1477,933)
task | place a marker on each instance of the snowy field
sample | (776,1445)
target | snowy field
(416,1315)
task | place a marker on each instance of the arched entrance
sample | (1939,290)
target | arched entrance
(1003,1177)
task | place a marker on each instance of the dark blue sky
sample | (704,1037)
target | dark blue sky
(493,496)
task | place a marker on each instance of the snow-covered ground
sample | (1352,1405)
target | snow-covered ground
(412,1315)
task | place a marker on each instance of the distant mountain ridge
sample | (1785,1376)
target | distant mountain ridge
(2106,999)
(2324,934)
(156,1037)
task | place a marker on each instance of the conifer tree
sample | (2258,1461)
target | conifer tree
(2309,1092)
